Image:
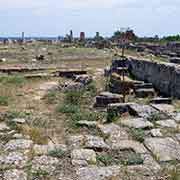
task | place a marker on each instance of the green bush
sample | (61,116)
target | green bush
(59,153)
(91,88)
(134,159)
(87,115)
(112,116)
(50,97)
(106,159)
(12,80)
(73,97)
(4,101)
(68,108)
(154,117)
(138,134)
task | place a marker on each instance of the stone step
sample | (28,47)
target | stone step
(106,98)
(143,93)
(160,100)
(175,60)
(121,71)
(143,86)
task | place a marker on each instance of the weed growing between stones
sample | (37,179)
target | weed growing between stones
(137,134)
(73,97)
(50,97)
(4,100)
(154,117)
(112,116)
(12,80)
(68,108)
(59,153)
(126,158)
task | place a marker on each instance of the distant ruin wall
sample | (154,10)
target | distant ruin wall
(165,77)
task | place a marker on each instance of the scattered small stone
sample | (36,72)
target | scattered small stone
(95,142)
(84,79)
(167,123)
(98,173)
(15,174)
(44,163)
(19,120)
(156,133)
(3,60)
(71,86)
(137,123)
(19,144)
(164,149)
(13,160)
(107,129)
(4,127)
(76,141)
(83,157)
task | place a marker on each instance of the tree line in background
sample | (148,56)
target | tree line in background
(129,34)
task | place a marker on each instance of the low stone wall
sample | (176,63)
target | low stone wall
(165,77)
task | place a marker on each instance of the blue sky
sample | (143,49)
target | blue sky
(57,17)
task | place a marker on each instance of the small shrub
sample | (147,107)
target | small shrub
(39,123)
(4,101)
(91,88)
(154,117)
(73,97)
(87,115)
(138,134)
(106,159)
(112,116)
(38,135)
(59,153)
(134,159)
(68,108)
(50,97)
(12,80)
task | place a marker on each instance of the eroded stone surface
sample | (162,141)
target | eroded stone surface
(164,149)
(137,123)
(13,160)
(142,110)
(167,123)
(166,108)
(87,123)
(156,133)
(129,144)
(107,129)
(44,163)
(95,142)
(83,157)
(76,141)
(18,144)
(4,127)
(15,174)
(98,173)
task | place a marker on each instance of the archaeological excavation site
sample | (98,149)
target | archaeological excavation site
(89,110)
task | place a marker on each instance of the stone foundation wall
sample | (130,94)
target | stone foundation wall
(165,77)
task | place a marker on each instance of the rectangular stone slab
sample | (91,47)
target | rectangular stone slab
(164,149)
